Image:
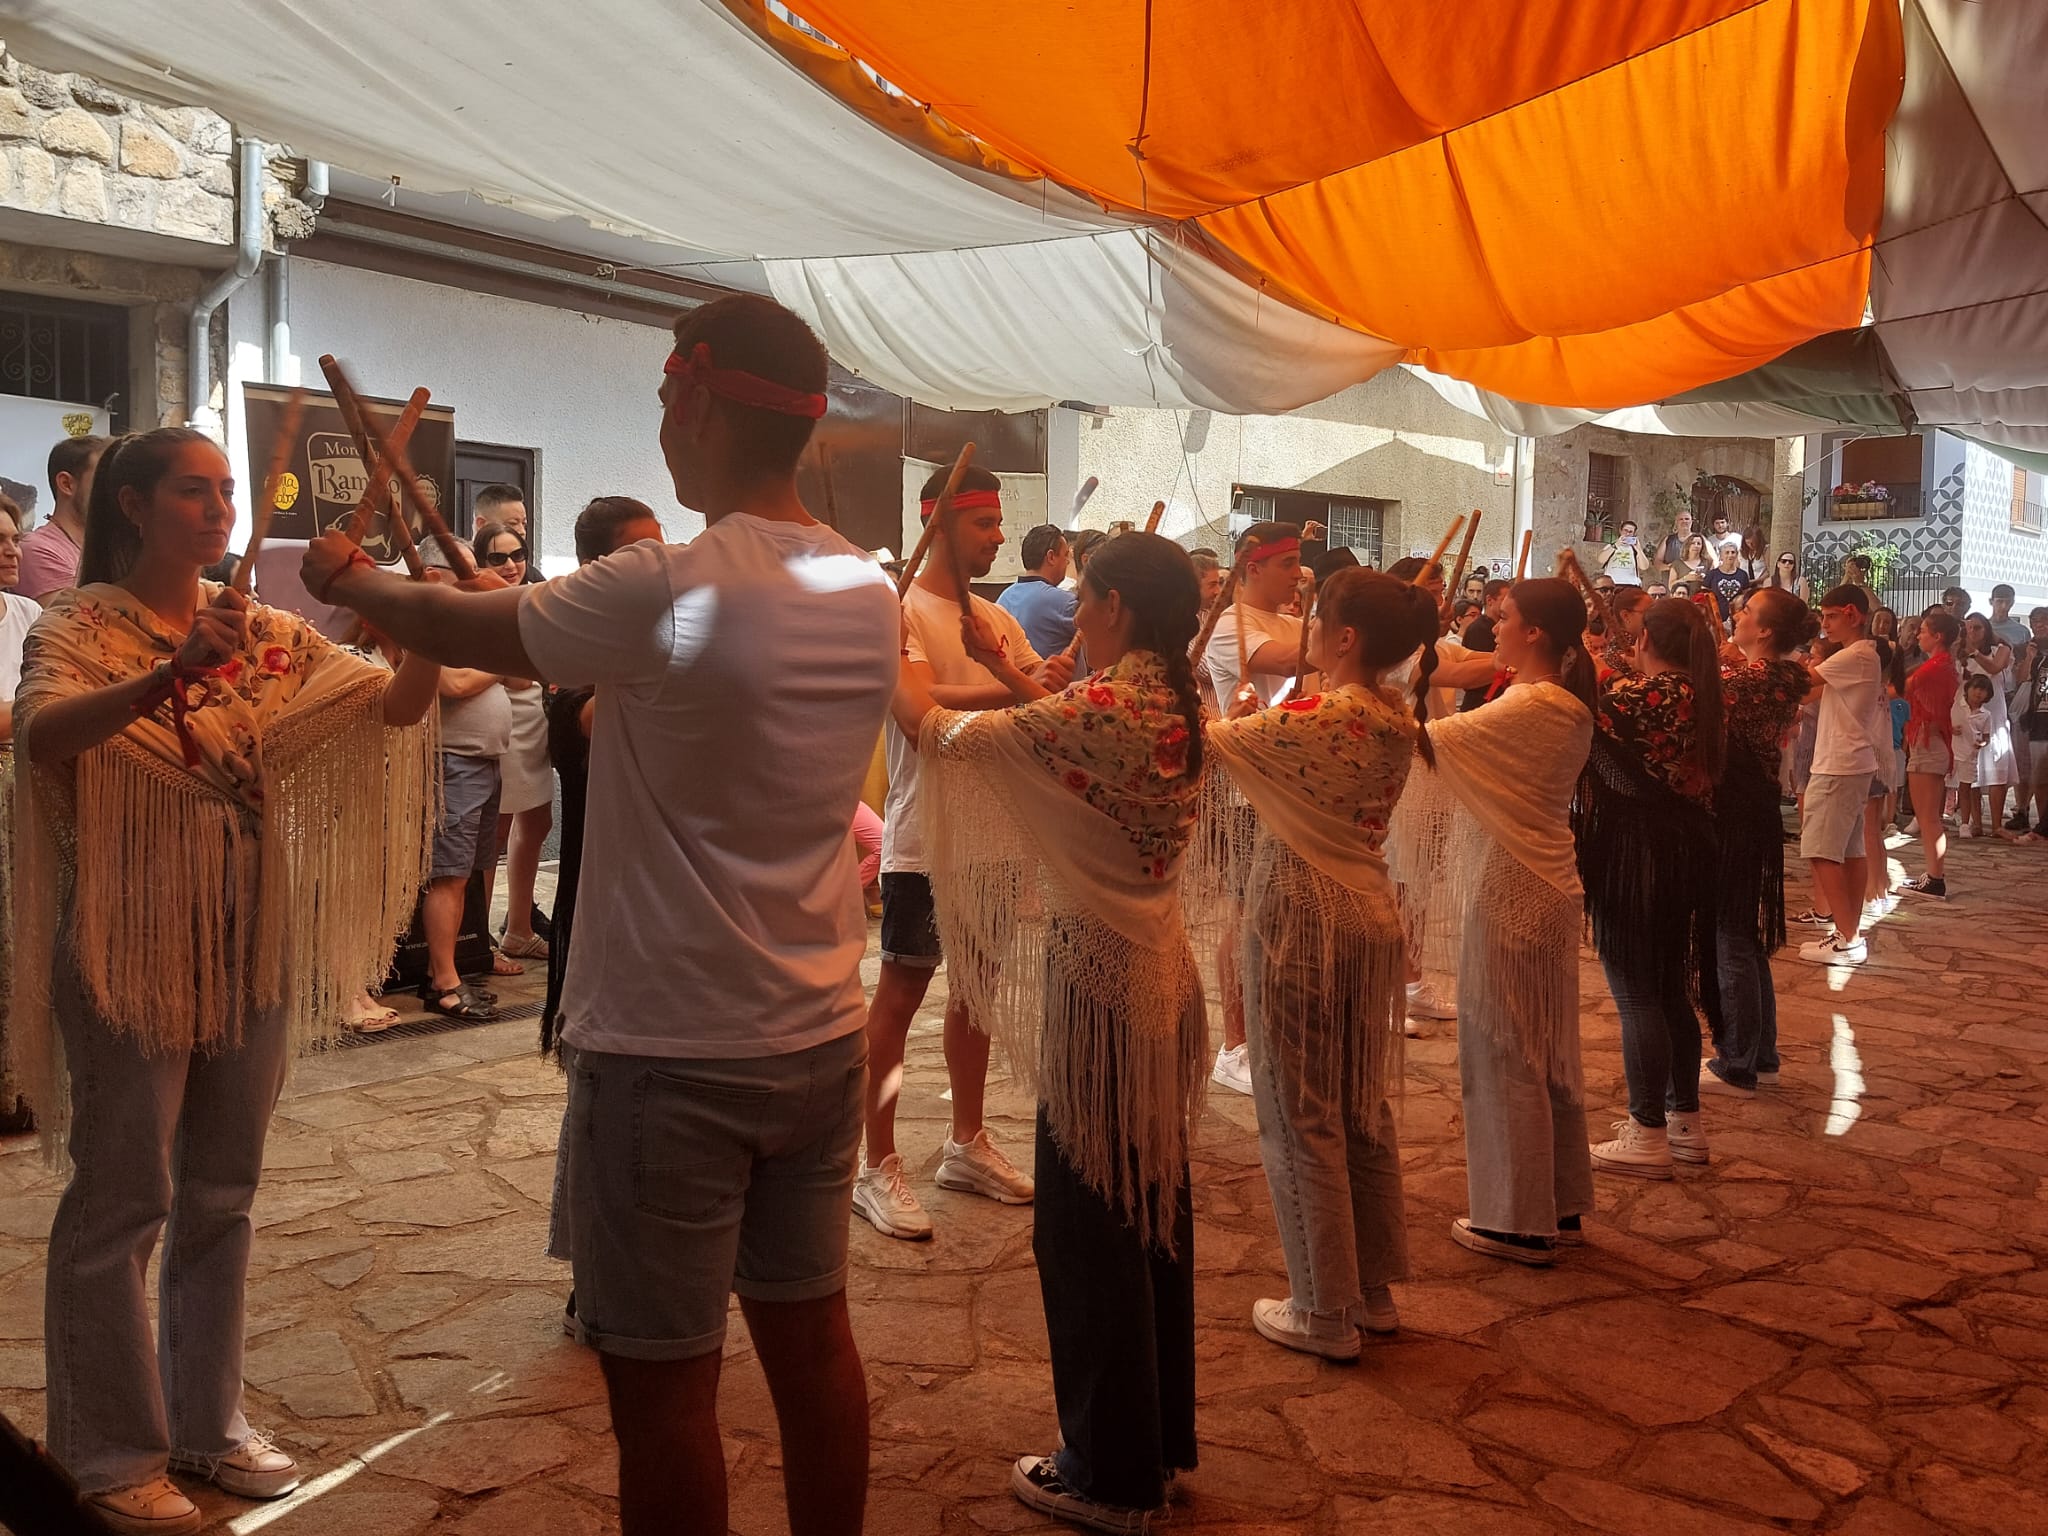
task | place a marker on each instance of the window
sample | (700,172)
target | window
(53,349)
(2026,511)
(1355,521)
(1606,493)
(1873,478)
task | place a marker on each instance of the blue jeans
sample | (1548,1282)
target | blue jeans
(1746,1034)
(172,1144)
(1660,1034)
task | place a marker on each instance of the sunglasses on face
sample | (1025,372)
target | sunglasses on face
(505,556)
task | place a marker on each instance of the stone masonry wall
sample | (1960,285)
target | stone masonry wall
(75,149)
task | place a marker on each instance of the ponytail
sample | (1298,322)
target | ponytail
(1394,620)
(1158,585)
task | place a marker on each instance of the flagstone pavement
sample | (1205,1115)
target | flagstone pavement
(1840,1324)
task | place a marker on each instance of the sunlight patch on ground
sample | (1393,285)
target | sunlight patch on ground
(1847,1066)
(326,1482)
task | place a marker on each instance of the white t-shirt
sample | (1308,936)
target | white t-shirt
(1259,628)
(1623,562)
(16,614)
(741,680)
(933,623)
(1716,542)
(1850,705)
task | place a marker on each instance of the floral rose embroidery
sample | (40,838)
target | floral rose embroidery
(1101,696)
(276,659)
(1077,781)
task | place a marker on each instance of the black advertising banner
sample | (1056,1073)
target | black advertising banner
(324,476)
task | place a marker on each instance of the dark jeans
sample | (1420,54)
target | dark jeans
(1660,1034)
(1121,1318)
(1746,1031)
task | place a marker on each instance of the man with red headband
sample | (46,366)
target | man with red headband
(962,549)
(712,1011)
(1269,653)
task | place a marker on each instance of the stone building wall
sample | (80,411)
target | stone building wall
(1654,464)
(75,150)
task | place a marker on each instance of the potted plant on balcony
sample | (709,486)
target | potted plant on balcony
(1870,499)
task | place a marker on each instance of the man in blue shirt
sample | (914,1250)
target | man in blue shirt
(1036,601)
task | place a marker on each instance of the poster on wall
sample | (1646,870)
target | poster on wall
(29,429)
(325,476)
(1023,510)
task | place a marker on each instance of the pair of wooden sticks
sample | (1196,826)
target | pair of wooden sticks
(942,510)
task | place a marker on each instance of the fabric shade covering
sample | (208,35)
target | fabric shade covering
(1557,210)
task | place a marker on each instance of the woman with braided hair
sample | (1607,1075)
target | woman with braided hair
(1324,954)
(1508,769)
(221,831)
(1055,833)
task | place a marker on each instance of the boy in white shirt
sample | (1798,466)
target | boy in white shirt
(1849,685)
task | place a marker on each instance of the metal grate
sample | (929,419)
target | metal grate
(435,1024)
(51,349)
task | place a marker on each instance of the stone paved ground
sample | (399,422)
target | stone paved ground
(1840,1325)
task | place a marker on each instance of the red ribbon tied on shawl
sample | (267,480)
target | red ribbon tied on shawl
(169,688)
(966,501)
(743,388)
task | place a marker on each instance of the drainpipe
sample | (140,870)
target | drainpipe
(279,279)
(248,257)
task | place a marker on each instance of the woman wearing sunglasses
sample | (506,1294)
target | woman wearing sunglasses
(1785,574)
(526,805)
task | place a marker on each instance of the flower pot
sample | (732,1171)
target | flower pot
(1851,509)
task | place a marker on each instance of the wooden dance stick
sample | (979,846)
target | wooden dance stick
(1522,563)
(1152,519)
(1442,544)
(1464,554)
(266,507)
(377,489)
(1569,568)
(460,561)
(351,409)
(940,509)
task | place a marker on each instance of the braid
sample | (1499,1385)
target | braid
(1180,677)
(1424,612)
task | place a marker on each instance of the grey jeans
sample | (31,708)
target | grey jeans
(1336,1192)
(160,1144)
(1527,1161)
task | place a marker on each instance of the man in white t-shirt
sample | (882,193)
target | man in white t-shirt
(1723,537)
(712,1009)
(965,544)
(1624,559)
(1269,574)
(1851,682)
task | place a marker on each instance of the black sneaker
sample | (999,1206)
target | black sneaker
(2017,822)
(1035,1480)
(1926,885)
(1817,919)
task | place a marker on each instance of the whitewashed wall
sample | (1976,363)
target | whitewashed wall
(577,388)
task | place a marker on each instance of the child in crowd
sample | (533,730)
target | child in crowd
(1977,694)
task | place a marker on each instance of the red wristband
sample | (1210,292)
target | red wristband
(356,557)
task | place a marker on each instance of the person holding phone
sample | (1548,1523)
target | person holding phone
(1623,559)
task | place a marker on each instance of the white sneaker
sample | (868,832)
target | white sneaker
(1379,1313)
(980,1168)
(1835,950)
(881,1195)
(1429,1002)
(1767,1079)
(155,1507)
(1641,1150)
(1686,1137)
(255,1469)
(1234,1069)
(1287,1325)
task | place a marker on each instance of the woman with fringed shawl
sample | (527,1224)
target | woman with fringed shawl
(1647,856)
(220,830)
(1491,829)
(1325,961)
(1056,832)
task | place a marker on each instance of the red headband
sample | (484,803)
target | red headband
(965,501)
(1267,551)
(745,388)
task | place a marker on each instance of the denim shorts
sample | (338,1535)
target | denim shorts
(910,920)
(466,841)
(1833,825)
(691,1180)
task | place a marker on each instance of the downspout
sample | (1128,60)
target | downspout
(279,278)
(248,257)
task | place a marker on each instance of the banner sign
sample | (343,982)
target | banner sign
(325,477)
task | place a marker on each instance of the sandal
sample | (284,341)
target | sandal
(463,1007)
(378,1018)
(532,947)
(500,966)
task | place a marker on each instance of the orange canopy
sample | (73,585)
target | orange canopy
(1575,204)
